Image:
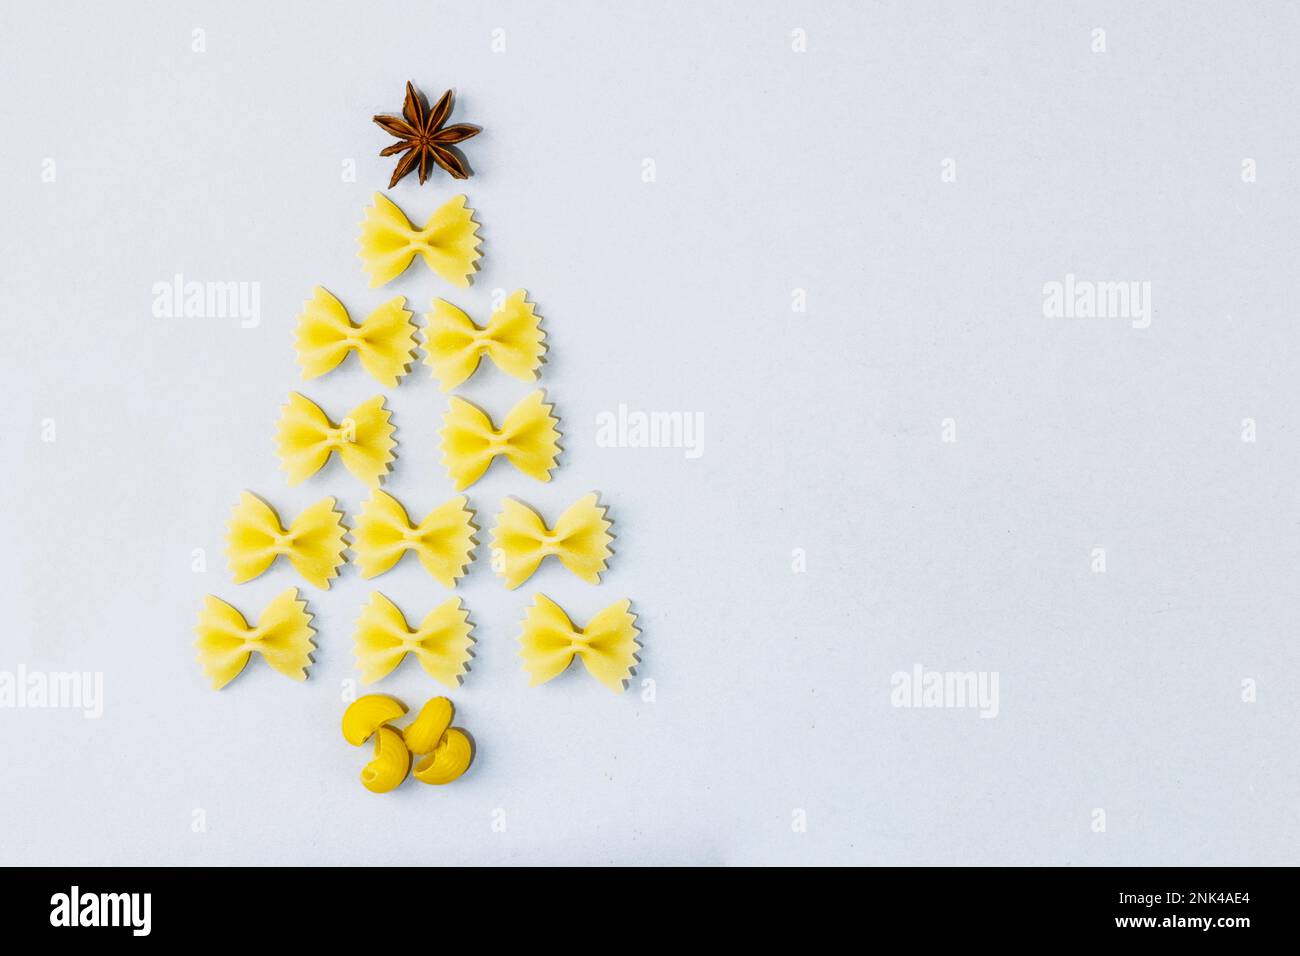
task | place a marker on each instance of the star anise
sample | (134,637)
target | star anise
(424,139)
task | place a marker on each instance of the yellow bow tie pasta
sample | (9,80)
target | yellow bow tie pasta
(384,342)
(512,339)
(282,635)
(448,243)
(528,439)
(363,439)
(607,646)
(313,543)
(441,643)
(580,540)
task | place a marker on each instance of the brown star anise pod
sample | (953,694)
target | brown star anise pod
(423,138)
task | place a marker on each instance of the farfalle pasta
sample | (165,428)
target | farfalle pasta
(363,439)
(448,243)
(441,643)
(607,646)
(528,439)
(512,339)
(283,636)
(313,543)
(444,541)
(384,342)
(580,540)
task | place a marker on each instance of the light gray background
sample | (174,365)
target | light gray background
(776,170)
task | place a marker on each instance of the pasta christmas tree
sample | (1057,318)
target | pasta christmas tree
(386,343)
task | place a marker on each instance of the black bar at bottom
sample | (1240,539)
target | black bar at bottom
(353,904)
